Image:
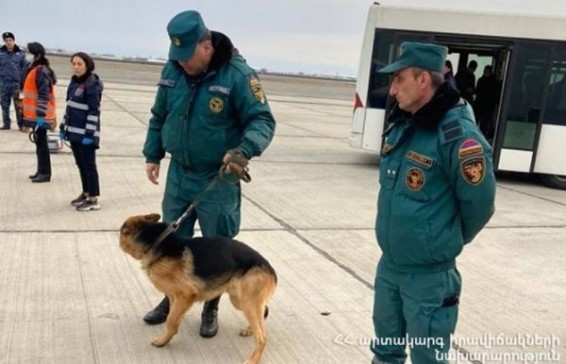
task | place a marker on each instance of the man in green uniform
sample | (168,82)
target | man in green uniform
(209,107)
(437,192)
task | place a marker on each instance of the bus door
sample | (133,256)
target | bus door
(486,97)
(500,69)
(386,48)
(521,113)
(550,150)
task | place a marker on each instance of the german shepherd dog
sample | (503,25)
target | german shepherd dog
(200,269)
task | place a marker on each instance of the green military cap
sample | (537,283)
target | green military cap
(185,30)
(420,55)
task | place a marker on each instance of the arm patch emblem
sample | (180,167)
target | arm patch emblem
(257,90)
(469,147)
(473,170)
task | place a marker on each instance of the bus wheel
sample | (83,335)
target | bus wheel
(554,181)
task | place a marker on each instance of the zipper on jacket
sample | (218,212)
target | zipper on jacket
(194,87)
(186,127)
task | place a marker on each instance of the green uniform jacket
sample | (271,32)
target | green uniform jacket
(437,185)
(197,120)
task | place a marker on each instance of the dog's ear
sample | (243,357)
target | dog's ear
(152,217)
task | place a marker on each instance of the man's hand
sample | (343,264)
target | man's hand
(152,171)
(232,167)
(235,162)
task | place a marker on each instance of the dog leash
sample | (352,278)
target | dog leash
(174,226)
(33,134)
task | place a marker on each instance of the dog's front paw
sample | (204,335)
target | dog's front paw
(246,332)
(160,341)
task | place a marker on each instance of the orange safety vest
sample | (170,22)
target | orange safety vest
(30,101)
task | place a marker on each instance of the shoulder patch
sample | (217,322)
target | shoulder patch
(469,147)
(452,130)
(473,170)
(166,83)
(256,88)
(452,135)
(450,125)
(421,159)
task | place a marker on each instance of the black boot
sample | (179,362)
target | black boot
(209,325)
(40,178)
(159,314)
(32,176)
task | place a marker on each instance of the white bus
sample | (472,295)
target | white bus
(527,128)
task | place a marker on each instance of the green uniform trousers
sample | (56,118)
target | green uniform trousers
(218,213)
(418,310)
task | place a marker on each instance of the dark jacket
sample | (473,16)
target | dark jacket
(12,65)
(82,115)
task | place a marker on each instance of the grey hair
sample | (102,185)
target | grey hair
(437,78)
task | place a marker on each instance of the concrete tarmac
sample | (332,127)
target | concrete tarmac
(69,295)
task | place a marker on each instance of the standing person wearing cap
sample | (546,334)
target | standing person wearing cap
(437,192)
(12,66)
(209,107)
(39,107)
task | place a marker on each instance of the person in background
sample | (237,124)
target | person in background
(210,110)
(487,98)
(437,193)
(448,71)
(466,81)
(82,127)
(12,67)
(39,107)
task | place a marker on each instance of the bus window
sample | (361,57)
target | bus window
(383,53)
(386,48)
(527,90)
(555,111)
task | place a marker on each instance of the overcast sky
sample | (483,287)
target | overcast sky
(322,36)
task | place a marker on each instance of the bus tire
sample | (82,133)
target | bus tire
(554,181)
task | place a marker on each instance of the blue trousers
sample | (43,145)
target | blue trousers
(218,213)
(8,95)
(419,310)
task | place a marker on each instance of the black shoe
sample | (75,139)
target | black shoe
(89,205)
(40,178)
(209,325)
(159,314)
(79,200)
(32,176)
(5,127)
